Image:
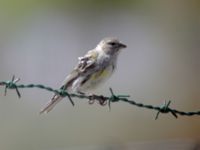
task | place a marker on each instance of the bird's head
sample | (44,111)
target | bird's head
(111,46)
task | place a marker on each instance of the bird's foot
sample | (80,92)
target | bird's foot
(101,99)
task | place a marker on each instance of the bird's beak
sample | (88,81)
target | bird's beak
(121,45)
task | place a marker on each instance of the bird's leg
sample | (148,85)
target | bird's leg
(91,99)
(102,100)
(81,93)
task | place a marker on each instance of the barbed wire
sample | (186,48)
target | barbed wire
(103,100)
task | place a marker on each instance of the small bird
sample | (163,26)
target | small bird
(92,69)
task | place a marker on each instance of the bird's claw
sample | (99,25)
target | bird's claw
(101,99)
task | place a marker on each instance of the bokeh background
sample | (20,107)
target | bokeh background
(40,42)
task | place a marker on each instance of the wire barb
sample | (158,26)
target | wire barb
(103,100)
(64,93)
(12,85)
(115,98)
(165,109)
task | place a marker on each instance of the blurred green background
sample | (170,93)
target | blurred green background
(40,42)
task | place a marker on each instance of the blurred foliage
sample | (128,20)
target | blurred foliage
(20,6)
(13,12)
(95,3)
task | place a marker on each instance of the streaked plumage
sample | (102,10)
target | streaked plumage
(92,69)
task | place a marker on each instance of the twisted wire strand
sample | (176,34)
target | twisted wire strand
(164,109)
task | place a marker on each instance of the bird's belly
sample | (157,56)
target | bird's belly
(97,78)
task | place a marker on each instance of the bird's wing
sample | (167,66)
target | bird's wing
(87,61)
(85,64)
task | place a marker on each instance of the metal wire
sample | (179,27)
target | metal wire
(164,109)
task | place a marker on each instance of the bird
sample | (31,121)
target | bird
(92,69)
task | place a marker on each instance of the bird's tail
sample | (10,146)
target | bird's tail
(50,105)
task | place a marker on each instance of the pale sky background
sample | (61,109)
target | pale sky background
(40,43)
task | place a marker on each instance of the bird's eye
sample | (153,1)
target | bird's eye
(112,43)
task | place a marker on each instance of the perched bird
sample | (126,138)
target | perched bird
(92,69)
